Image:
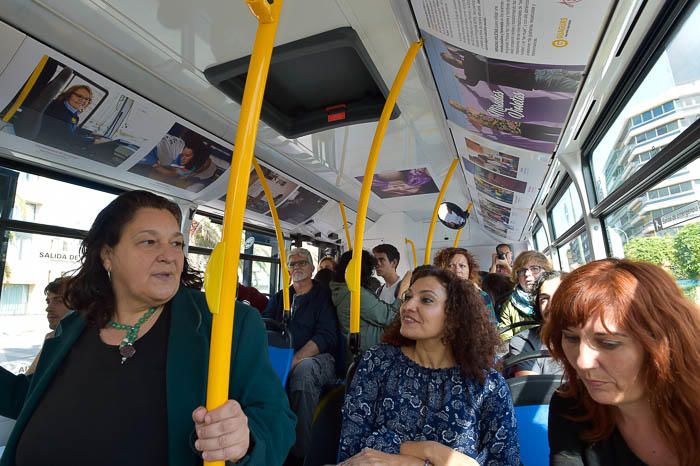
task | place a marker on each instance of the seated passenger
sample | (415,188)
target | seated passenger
(628,340)
(60,123)
(460,262)
(314,329)
(327,262)
(529,340)
(527,268)
(56,310)
(430,392)
(324,277)
(124,379)
(251,296)
(502,260)
(375,314)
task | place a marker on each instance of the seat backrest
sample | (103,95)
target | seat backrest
(325,429)
(531,395)
(280,348)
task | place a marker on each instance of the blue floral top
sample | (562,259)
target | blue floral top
(392,400)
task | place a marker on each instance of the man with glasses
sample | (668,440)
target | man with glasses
(314,329)
(527,268)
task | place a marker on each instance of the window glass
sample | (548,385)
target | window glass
(44,200)
(566,211)
(650,120)
(313,250)
(575,253)
(541,239)
(260,277)
(204,232)
(31,262)
(662,226)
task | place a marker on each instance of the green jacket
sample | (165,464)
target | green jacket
(375,314)
(253,382)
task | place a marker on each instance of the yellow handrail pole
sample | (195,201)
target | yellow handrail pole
(278,233)
(222,300)
(352,275)
(413,249)
(345,223)
(459,232)
(431,230)
(26,89)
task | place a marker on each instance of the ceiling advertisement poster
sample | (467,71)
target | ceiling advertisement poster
(507,73)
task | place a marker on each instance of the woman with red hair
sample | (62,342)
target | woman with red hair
(628,340)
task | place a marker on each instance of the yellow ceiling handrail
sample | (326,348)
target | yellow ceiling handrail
(352,274)
(222,279)
(459,232)
(413,250)
(280,238)
(431,229)
(345,223)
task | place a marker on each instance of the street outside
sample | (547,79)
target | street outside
(21,338)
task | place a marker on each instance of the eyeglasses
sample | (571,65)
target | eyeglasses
(534,269)
(82,97)
(303,263)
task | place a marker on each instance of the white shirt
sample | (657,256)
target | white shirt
(388,293)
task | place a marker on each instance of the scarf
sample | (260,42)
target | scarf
(520,299)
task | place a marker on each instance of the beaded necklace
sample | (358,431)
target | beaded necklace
(126,346)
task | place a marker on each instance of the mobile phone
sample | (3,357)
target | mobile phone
(501,255)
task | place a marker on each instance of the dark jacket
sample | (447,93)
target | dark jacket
(313,317)
(59,128)
(566,448)
(253,382)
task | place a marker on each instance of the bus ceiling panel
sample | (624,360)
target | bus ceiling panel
(626,29)
(11,39)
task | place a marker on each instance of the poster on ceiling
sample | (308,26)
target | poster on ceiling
(55,109)
(401,183)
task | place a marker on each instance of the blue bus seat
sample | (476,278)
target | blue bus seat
(531,395)
(280,348)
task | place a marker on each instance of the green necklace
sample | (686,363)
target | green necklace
(126,346)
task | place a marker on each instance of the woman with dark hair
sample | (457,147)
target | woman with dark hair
(499,287)
(192,165)
(628,340)
(429,394)
(375,314)
(460,262)
(528,266)
(125,376)
(529,340)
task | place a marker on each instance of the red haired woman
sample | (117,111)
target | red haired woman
(628,340)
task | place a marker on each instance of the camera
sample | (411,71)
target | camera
(501,255)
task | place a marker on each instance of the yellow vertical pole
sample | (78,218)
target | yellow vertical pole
(26,89)
(278,233)
(413,250)
(459,232)
(345,224)
(352,274)
(223,275)
(431,230)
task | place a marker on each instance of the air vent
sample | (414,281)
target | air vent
(316,83)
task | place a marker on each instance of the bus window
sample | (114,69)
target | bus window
(664,105)
(662,226)
(566,212)
(575,253)
(52,202)
(205,232)
(540,237)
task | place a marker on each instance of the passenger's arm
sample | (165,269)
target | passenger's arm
(325,336)
(271,308)
(309,350)
(497,425)
(376,312)
(437,453)
(359,407)
(13,392)
(372,457)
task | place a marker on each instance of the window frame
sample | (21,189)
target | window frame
(681,151)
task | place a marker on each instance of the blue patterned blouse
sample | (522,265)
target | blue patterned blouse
(392,400)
